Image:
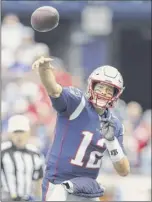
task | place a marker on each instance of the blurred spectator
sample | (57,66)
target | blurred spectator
(29,50)
(142,133)
(130,143)
(12,32)
(145,158)
(134,112)
(62,76)
(7,58)
(4,109)
(120,109)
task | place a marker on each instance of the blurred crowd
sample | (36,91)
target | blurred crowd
(137,136)
(22,93)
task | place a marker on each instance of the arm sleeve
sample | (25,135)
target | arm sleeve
(68,101)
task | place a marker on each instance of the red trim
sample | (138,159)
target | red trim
(104,82)
(62,141)
(46,191)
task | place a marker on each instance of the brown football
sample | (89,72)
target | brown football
(45,19)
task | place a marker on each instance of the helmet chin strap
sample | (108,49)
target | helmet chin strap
(103,104)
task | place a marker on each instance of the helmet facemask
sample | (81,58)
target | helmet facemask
(99,100)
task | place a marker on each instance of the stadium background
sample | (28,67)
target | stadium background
(90,34)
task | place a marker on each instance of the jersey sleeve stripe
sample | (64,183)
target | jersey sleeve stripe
(78,110)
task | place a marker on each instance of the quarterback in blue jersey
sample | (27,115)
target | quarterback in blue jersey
(85,129)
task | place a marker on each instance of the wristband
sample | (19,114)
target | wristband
(115,150)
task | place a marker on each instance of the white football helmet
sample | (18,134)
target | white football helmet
(105,75)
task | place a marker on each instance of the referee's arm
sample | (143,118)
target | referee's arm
(8,171)
(38,175)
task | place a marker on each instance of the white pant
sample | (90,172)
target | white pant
(58,193)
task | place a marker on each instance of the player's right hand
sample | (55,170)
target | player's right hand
(43,63)
(108,130)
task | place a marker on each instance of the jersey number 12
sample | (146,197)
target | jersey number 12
(95,156)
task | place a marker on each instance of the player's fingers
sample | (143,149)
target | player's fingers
(48,59)
(104,120)
(105,125)
(43,60)
(35,65)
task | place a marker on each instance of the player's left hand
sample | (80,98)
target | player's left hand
(108,130)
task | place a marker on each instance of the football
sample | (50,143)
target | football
(45,19)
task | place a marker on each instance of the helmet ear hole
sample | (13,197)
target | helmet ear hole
(116,91)
(94,84)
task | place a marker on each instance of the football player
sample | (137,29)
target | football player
(85,129)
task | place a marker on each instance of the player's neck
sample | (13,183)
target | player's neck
(100,111)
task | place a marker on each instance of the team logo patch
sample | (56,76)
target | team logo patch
(75,91)
(114,152)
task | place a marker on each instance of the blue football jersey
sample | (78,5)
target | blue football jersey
(78,145)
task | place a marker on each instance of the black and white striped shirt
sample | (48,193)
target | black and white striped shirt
(19,167)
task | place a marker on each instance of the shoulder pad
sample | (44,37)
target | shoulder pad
(6,145)
(32,148)
(115,117)
(118,124)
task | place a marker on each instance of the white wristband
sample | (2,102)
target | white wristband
(115,150)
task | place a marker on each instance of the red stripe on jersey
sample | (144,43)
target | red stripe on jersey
(46,191)
(62,141)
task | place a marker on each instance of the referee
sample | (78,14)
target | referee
(21,163)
